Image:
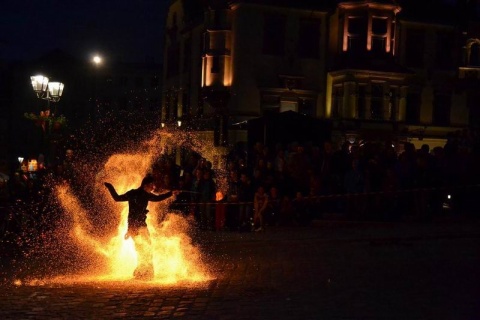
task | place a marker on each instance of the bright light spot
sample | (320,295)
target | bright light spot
(97,60)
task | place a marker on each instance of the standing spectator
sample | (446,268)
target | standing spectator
(354,184)
(300,169)
(245,196)
(279,163)
(300,207)
(272,212)
(231,219)
(287,211)
(260,202)
(390,195)
(207,189)
(195,194)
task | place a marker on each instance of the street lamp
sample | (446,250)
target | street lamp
(46,90)
(52,92)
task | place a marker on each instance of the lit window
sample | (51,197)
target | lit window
(357,31)
(379,35)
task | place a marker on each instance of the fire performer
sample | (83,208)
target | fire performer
(137,214)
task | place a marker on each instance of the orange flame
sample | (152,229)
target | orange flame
(111,257)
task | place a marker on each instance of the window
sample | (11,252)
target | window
(215,64)
(270,102)
(379,26)
(441,109)
(473,103)
(337,101)
(392,102)
(444,51)
(412,112)
(288,106)
(216,18)
(474,55)
(415,45)
(362,95)
(378,45)
(357,34)
(274,35)
(206,42)
(376,110)
(309,39)
(379,35)
(357,25)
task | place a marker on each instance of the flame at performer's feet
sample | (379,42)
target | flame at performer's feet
(162,253)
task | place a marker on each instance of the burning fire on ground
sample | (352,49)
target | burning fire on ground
(109,256)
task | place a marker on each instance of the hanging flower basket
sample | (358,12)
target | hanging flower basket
(44,118)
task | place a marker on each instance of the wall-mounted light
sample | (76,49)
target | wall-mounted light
(162,124)
(179,123)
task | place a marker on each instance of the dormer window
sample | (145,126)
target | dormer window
(356,33)
(378,36)
(368,26)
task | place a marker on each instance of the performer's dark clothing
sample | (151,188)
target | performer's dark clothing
(137,205)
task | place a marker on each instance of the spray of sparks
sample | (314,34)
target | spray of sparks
(90,236)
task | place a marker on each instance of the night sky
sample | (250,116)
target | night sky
(125,30)
(120,30)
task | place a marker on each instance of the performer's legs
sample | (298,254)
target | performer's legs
(143,248)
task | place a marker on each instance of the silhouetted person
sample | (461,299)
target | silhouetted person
(137,214)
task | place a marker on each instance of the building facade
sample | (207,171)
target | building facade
(375,69)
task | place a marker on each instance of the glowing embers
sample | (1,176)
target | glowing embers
(165,246)
(101,253)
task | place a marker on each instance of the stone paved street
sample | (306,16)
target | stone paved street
(326,271)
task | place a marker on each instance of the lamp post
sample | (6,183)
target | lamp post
(51,92)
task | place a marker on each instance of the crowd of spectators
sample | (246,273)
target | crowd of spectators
(295,183)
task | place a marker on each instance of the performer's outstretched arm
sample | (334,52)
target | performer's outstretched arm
(160,197)
(114,193)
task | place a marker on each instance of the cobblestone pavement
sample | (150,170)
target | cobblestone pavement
(326,271)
